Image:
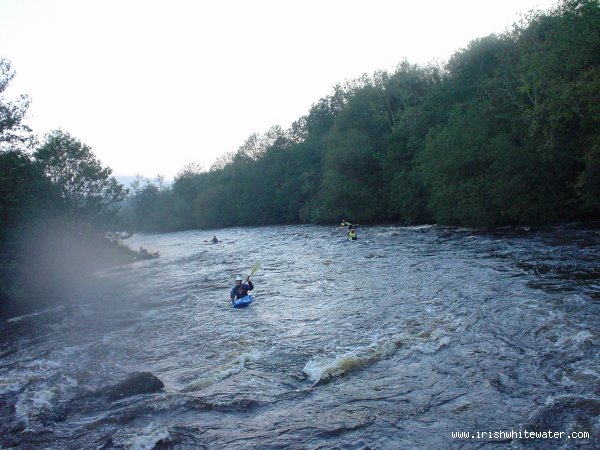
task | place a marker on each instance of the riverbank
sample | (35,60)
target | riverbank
(46,271)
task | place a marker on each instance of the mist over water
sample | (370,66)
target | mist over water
(395,340)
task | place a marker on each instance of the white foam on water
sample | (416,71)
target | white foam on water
(142,439)
(31,403)
(237,366)
(432,346)
(323,367)
(41,383)
(27,316)
(574,340)
(225,371)
(10,386)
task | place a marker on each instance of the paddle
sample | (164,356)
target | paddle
(345,224)
(254,269)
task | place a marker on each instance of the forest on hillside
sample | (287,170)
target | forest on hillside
(507,131)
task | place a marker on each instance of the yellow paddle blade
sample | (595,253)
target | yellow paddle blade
(255,267)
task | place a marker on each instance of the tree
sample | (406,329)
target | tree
(186,186)
(351,181)
(144,204)
(222,161)
(477,174)
(13,133)
(217,205)
(23,188)
(559,69)
(90,194)
(256,145)
(25,193)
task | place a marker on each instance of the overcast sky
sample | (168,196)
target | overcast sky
(153,85)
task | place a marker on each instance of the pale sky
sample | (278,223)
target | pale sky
(151,85)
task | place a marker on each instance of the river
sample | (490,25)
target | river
(399,339)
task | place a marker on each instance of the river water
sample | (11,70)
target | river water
(396,340)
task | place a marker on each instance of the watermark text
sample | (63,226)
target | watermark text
(504,435)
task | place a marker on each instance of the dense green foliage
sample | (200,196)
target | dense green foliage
(14,134)
(87,191)
(507,131)
(55,202)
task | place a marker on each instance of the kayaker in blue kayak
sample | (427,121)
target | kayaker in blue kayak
(241,289)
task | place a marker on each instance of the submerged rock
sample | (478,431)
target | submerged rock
(137,383)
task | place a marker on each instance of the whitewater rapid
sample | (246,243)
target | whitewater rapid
(395,340)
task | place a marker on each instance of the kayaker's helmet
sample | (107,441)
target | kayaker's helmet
(238,278)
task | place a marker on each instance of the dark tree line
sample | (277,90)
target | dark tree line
(507,131)
(56,203)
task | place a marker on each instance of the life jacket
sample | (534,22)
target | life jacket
(352,235)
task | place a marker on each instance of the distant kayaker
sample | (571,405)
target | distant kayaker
(351,233)
(214,240)
(351,230)
(145,254)
(241,289)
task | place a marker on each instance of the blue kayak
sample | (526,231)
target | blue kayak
(241,302)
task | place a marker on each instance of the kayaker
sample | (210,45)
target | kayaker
(214,240)
(351,233)
(241,289)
